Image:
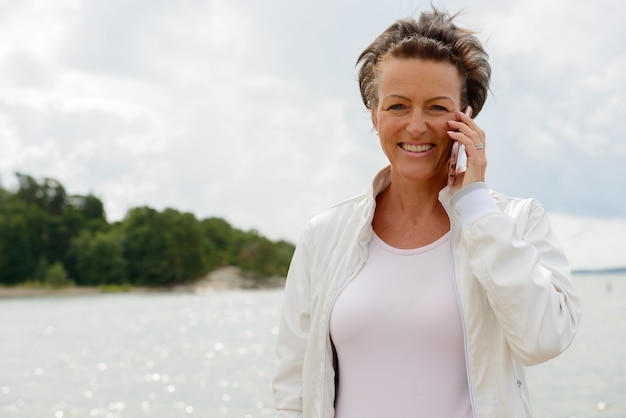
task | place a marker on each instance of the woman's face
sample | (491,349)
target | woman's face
(416,99)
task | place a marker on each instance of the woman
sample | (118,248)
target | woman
(427,296)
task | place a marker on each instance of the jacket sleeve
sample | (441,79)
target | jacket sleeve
(516,257)
(293,335)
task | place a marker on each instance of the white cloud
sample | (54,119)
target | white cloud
(36,28)
(9,144)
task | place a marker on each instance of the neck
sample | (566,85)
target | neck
(408,213)
(412,199)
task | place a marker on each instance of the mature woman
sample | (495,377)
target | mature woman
(428,295)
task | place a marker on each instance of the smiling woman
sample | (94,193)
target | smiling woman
(413,123)
(429,294)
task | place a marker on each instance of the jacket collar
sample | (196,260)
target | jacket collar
(381,181)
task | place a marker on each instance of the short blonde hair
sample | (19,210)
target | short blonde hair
(432,37)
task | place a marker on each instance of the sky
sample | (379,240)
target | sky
(249,110)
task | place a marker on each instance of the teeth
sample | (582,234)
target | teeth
(416,148)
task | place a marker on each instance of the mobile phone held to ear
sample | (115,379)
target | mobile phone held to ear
(454,158)
(458,157)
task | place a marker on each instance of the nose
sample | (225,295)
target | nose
(416,124)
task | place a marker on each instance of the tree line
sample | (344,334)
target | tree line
(49,237)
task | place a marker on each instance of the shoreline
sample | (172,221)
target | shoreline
(226,278)
(33,292)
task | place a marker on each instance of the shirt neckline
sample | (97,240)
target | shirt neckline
(410,251)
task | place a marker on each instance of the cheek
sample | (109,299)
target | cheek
(442,131)
(386,145)
(448,149)
(441,125)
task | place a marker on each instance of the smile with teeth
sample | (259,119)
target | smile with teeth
(416,148)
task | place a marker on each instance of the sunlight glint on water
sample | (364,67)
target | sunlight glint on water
(157,355)
(211,355)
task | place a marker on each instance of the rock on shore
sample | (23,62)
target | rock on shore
(231,277)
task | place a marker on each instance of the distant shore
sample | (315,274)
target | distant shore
(226,278)
(615,270)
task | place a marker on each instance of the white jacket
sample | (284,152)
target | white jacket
(518,302)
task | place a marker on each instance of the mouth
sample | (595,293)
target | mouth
(416,148)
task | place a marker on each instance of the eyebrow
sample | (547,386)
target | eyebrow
(441,98)
(432,99)
(399,96)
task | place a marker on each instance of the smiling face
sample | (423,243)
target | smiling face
(416,99)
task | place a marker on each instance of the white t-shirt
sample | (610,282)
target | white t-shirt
(398,335)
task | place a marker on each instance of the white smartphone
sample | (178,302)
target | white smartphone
(458,157)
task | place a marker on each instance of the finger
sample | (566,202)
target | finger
(466,118)
(479,146)
(466,137)
(469,129)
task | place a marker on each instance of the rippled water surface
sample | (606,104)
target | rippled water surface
(589,379)
(155,355)
(211,355)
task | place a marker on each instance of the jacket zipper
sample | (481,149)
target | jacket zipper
(463,321)
(465,338)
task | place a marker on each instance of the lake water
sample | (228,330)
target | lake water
(174,355)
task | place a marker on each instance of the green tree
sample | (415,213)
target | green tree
(162,248)
(56,277)
(45,232)
(49,195)
(264,258)
(98,258)
(54,218)
(283,253)
(184,245)
(256,256)
(144,247)
(90,210)
(17,249)
(44,210)
(218,242)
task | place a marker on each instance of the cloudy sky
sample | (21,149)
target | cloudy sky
(249,110)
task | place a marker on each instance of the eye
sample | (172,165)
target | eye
(439,108)
(396,106)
